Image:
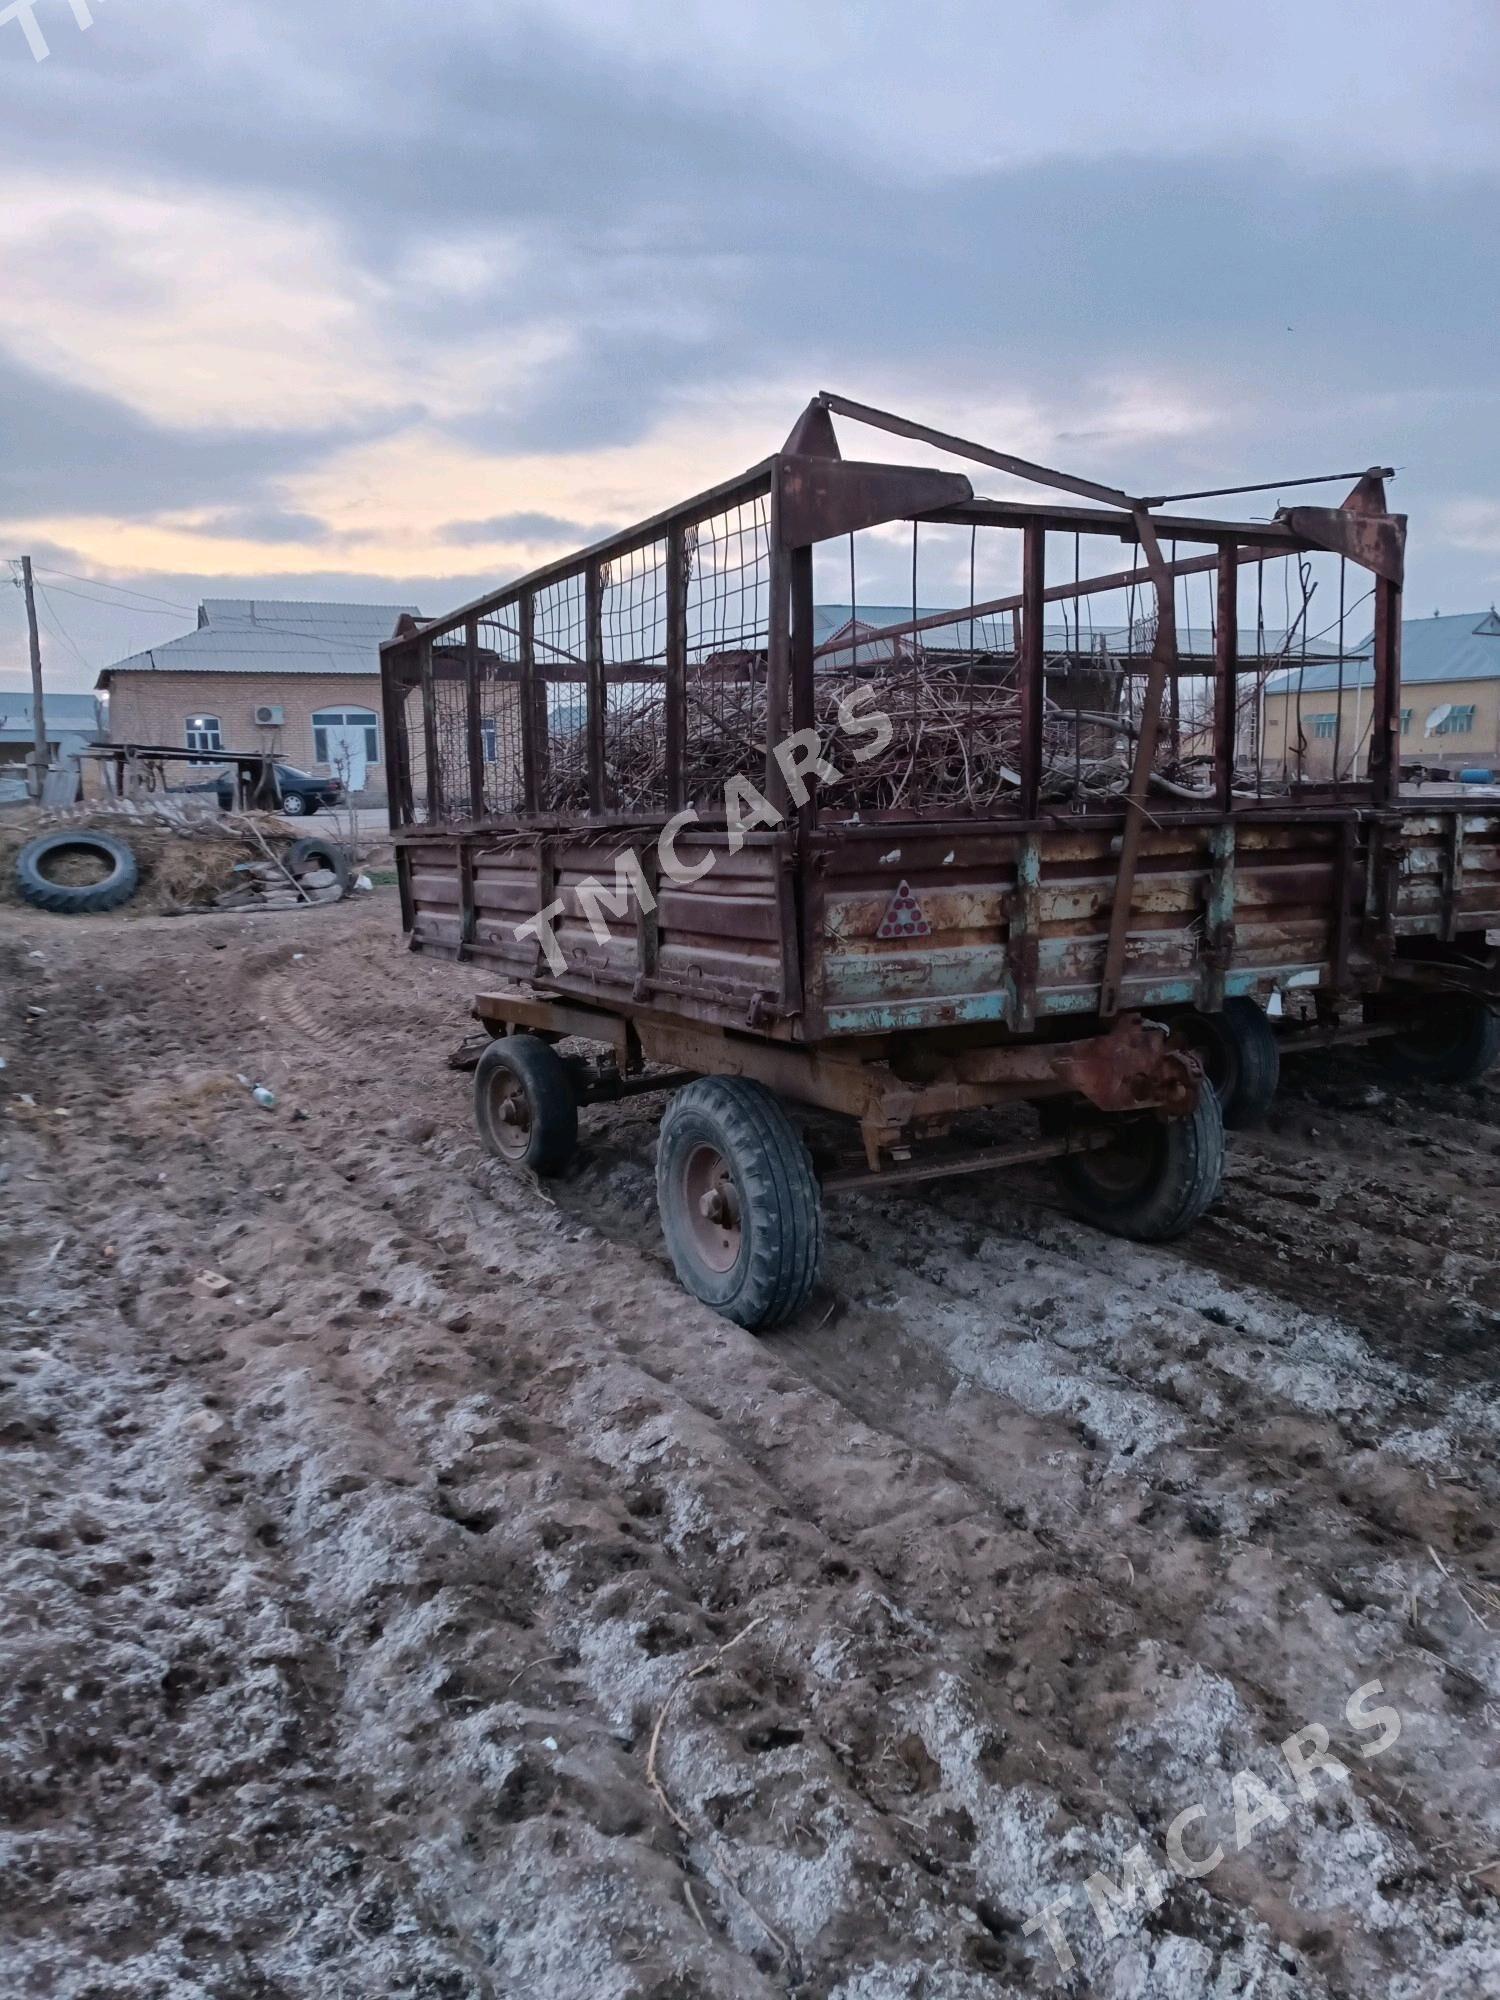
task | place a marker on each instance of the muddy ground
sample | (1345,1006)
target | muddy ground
(341,1608)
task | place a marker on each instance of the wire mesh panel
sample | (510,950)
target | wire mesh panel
(909,611)
(728,594)
(559,623)
(1020,658)
(633,633)
(500,758)
(450,712)
(412,750)
(1306,693)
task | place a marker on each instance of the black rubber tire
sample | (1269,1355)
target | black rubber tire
(295,806)
(780,1202)
(314,852)
(116,888)
(1158,1181)
(1459,1043)
(551,1139)
(1241,1057)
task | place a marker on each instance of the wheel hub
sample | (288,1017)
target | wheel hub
(712,1204)
(512,1119)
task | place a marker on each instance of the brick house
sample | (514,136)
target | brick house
(298,681)
(1450,703)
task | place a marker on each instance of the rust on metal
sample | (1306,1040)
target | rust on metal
(545,730)
(813,435)
(1134,1067)
(820,498)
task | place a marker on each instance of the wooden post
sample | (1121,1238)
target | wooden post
(39,760)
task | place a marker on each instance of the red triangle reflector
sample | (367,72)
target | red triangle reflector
(904,918)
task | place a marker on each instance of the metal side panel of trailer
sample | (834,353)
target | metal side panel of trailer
(1006,928)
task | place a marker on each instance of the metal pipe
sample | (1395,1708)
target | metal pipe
(1003,461)
(1273,485)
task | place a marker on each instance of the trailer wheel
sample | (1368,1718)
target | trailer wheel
(1457,1043)
(525,1105)
(1154,1180)
(740,1204)
(1241,1058)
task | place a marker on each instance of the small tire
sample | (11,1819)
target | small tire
(1156,1180)
(1241,1058)
(524,1104)
(740,1204)
(86,899)
(313,852)
(294,806)
(1457,1044)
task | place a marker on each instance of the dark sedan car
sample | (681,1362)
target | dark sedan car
(301,793)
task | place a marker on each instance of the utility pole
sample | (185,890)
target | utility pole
(38,720)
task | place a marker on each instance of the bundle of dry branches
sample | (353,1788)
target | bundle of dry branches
(955,745)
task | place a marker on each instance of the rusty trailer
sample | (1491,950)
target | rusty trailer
(903,863)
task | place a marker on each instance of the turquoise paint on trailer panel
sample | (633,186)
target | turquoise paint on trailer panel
(891,1017)
(887,975)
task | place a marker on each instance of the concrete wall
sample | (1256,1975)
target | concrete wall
(153,707)
(1479,748)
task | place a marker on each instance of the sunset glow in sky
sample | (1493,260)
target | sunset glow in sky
(384,301)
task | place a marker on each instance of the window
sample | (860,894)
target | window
(1324,725)
(1457,722)
(204,733)
(1405,721)
(491,733)
(342,720)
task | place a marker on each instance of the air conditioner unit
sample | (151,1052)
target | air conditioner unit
(270,717)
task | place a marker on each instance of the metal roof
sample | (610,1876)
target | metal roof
(65,714)
(242,635)
(995,634)
(1463,647)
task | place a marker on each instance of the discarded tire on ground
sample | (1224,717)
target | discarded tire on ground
(306,856)
(525,1104)
(740,1204)
(1457,1043)
(1157,1176)
(39,884)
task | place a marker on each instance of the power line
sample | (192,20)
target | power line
(110,604)
(124,589)
(55,624)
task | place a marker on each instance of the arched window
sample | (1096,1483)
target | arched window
(204,733)
(340,732)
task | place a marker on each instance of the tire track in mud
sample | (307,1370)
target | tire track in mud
(944,1676)
(1372,1523)
(429,1247)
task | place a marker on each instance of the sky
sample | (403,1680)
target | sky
(304,298)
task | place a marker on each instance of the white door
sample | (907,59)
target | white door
(346,755)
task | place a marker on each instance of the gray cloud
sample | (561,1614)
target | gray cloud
(67,449)
(261,524)
(522,527)
(695,227)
